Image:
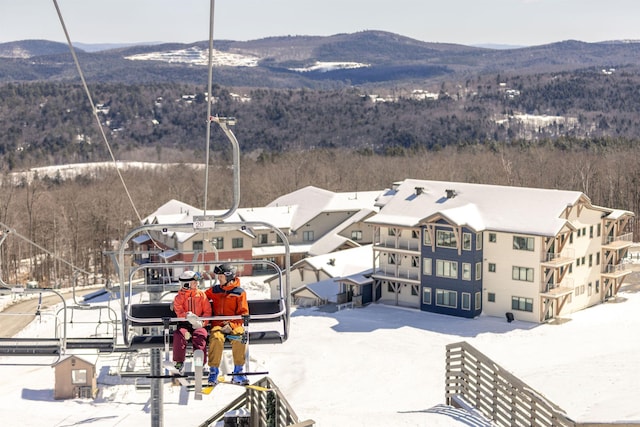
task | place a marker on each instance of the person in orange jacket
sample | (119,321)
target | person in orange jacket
(190,303)
(228,299)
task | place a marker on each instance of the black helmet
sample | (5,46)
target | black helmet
(228,270)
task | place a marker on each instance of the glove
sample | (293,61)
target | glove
(193,319)
(226,328)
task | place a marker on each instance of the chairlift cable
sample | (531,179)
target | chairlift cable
(93,108)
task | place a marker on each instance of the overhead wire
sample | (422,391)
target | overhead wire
(93,108)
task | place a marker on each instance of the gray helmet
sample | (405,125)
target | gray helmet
(228,270)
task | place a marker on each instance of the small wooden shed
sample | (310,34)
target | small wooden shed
(75,377)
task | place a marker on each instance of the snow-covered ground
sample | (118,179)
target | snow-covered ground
(373,366)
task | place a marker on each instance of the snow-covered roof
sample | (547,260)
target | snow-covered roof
(324,289)
(278,216)
(360,278)
(341,263)
(481,207)
(311,201)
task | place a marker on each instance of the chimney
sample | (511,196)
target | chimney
(451,194)
(419,190)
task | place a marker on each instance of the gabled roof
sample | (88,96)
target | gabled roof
(311,201)
(324,289)
(176,212)
(333,241)
(481,207)
(278,216)
(361,278)
(341,263)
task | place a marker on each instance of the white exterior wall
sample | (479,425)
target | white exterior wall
(500,282)
(502,254)
(582,247)
(320,225)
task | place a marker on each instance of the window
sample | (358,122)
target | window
(426,266)
(590,260)
(415,234)
(523,243)
(466,241)
(466,271)
(391,288)
(78,376)
(522,273)
(356,235)
(198,245)
(446,298)
(466,301)
(492,267)
(492,238)
(218,242)
(237,242)
(478,270)
(307,236)
(447,269)
(278,239)
(263,239)
(392,259)
(491,297)
(598,230)
(478,300)
(415,261)
(414,290)
(391,231)
(478,241)
(591,232)
(446,239)
(597,258)
(427,238)
(522,304)
(426,296)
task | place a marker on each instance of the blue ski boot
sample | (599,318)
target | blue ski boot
(213,375)
(239,379)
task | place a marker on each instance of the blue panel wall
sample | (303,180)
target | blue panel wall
(457,285)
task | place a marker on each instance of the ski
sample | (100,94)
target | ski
(223,380)
(191,374)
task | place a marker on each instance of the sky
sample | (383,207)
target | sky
(470,22)
(372,366)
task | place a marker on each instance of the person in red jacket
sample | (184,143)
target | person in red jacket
(190,303)
(228,299)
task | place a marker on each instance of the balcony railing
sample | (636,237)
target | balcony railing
(404,244)
(565,283)
(628,237)
(617,268)
(568,253)
(400,273)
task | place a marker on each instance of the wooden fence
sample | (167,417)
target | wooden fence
(267,409)
(475,380)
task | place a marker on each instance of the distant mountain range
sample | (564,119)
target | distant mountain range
(365,58)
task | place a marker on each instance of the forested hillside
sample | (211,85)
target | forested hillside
(52,123)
